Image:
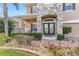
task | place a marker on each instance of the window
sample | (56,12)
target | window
(68,6)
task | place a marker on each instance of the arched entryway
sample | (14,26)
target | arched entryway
(49,24)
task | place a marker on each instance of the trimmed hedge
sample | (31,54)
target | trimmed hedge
(38,36)
(67,30)
(60,37)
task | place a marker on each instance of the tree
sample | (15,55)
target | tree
(11,25)
(5,16)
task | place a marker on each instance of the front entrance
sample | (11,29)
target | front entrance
(49,28)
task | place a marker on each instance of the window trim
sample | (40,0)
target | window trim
(64,7)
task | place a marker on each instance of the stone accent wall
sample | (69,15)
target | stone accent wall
(19,27)
(55,9)
(60,24)
(45,9)
(38,23)
(59,19)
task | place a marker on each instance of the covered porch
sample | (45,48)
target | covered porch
(47,24)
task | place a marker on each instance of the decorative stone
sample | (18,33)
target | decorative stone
(38,23)
(44,9)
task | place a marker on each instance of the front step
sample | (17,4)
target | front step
(49,38)
(47,35)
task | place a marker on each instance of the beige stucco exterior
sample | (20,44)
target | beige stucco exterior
(75,28)
(72,15)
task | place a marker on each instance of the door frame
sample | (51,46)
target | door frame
(49,28)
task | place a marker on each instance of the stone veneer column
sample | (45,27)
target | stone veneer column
(29,8)
(60,24)
(60,19)
(39,23)
(18,25)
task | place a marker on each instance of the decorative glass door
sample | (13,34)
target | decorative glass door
(49,28)
(45,28)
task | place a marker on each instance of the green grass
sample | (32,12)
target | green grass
(15,53)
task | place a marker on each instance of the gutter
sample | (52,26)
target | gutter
(71,21)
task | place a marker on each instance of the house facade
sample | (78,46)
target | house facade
(48,19)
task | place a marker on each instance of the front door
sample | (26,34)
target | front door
(49,28)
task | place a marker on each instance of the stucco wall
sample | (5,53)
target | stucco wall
(72,15)
(75,28)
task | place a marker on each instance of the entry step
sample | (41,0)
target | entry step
(49,38)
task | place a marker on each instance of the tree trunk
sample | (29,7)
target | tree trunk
(5,16)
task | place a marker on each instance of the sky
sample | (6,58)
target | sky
(12,11)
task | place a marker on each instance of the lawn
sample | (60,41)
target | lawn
(15,53)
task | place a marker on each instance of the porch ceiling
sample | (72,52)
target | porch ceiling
(28,17)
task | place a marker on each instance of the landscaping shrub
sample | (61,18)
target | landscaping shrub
(60,37)
(53,50)
(10,25)
(38,36)
(66,30)
(63,51)
(3,38)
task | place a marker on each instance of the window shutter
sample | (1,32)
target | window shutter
(73,6)
(31,9)
(63,6)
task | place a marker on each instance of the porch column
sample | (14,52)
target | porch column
(60,24)
(18,25)
(39,23)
